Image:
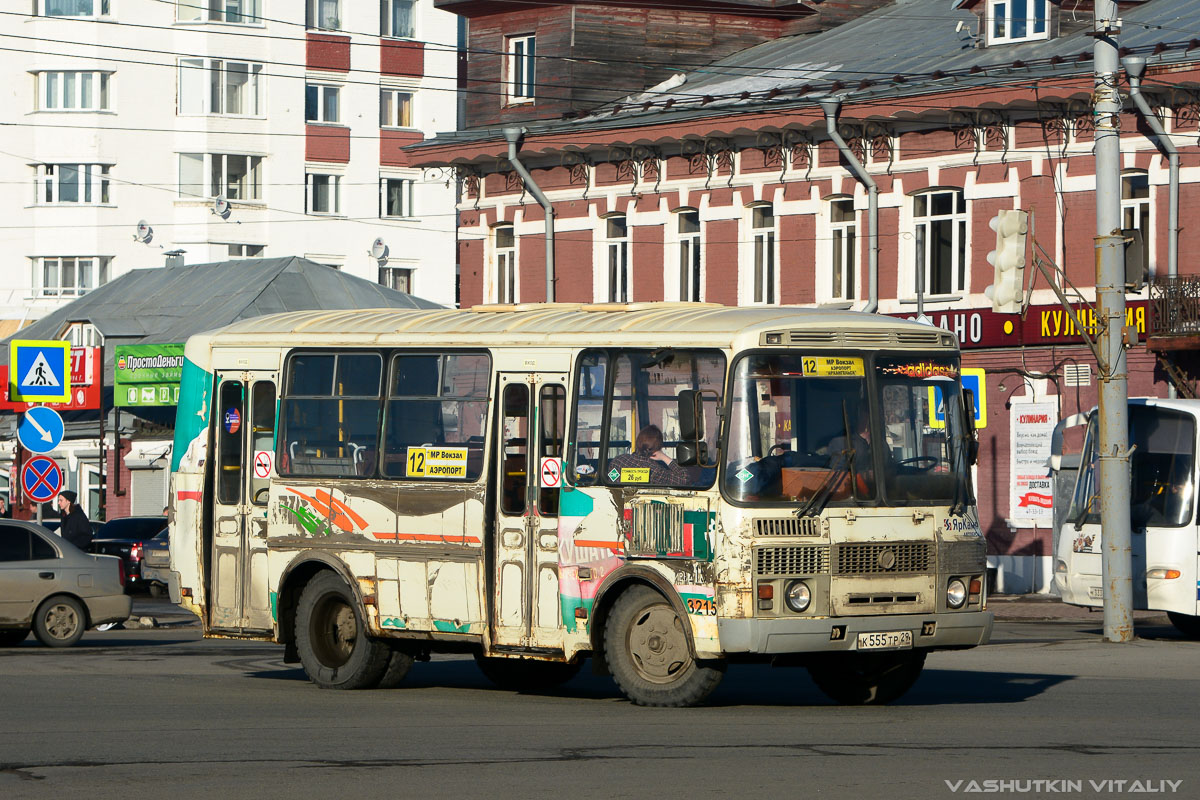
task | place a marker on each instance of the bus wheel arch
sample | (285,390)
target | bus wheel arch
(295,577)
(648,648)
(613,586)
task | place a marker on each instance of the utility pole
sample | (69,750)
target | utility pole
(1110,301)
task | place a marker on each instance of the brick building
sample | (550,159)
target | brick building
(723,184)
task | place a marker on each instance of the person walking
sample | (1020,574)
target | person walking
(75,527)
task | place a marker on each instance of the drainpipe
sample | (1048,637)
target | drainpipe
(514,137)
(830,106)
(1135,67)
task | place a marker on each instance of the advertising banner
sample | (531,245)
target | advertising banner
(1031,497)
(85,384)
(147,374)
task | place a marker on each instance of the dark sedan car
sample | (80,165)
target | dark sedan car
(53,588)
(127,537)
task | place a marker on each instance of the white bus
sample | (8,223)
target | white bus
(665,488)
(1165,549)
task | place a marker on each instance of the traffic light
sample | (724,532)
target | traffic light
(1008,284)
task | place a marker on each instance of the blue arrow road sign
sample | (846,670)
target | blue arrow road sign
(41,479)
(41,429)
(40,371)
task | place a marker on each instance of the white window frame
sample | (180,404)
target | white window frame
(228,12)
(99,8)
(762,278)
(82,334)
(387,16)
(1137,212)
(97,270)
(390,276)
(507,275)
(1004,27)
(235,250)
(204,88)
(91,184)
(249,187)
(616,259)
(90,90)
(324,15)
(520,68)
(407,192)
(924,251)
(394,106)
(333,184)
(323,92)
(843,250)
(688,278)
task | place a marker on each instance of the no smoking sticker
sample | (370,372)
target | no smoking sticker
(551,473)
(262,464)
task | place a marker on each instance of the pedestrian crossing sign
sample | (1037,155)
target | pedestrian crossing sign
(39,371)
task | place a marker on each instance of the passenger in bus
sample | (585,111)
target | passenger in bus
(648,454)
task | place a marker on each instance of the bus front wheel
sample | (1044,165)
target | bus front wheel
(331,638)
(1186,624)
(857,679)
(647,650)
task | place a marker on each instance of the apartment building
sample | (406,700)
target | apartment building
(224,129)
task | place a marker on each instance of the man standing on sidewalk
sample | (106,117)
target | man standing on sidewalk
(75,527)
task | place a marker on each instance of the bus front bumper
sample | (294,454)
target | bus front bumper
(832,634)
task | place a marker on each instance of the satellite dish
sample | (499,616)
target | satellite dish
(379,250)
(144,232)
(221,207)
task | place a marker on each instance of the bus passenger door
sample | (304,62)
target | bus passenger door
(243,463)
(526,612)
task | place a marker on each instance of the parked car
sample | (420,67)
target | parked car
(53,588)
(156,563)
(126,537)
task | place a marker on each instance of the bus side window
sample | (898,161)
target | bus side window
(552,410)
(262,435)
(514,438)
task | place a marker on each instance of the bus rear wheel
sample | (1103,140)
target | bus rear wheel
(875,679)
(525,674)
(1186,624)
(647,650)
(331,637)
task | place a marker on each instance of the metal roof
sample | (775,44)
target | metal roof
(581,325)
(916,39)
(168,304)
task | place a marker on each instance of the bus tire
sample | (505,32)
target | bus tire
(331,637)
(398,665)
(1186,624)
(59,622)
(525,674)
(875,679)
(647,651)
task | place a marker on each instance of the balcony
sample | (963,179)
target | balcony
(1173,330)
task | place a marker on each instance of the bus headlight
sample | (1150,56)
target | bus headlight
(1060,567)
(797,596)
(956,594)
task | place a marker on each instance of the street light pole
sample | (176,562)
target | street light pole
(1110,301)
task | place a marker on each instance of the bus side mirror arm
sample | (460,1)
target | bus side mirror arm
(969,429)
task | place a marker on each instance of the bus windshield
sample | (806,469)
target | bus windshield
(1162,470)
(821,430)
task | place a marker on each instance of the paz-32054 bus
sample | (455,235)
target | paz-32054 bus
(665,488)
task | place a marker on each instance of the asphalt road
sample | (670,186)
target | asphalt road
(161,713)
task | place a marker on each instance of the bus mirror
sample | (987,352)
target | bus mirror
(691,419)
(969,426)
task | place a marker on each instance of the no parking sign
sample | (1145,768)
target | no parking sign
(41,479)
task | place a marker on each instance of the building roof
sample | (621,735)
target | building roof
(168,304)
(860,61)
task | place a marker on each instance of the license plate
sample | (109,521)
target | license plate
(1096,592)
(886,640)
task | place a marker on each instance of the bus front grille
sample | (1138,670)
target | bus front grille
(962,558)
(883,558)
(806,526)
(800,560)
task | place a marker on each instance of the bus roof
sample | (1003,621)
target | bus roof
(581,325)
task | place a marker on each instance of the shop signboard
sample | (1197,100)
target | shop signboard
(85,384)
(1031,493)
(147,374)
(1041,325)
